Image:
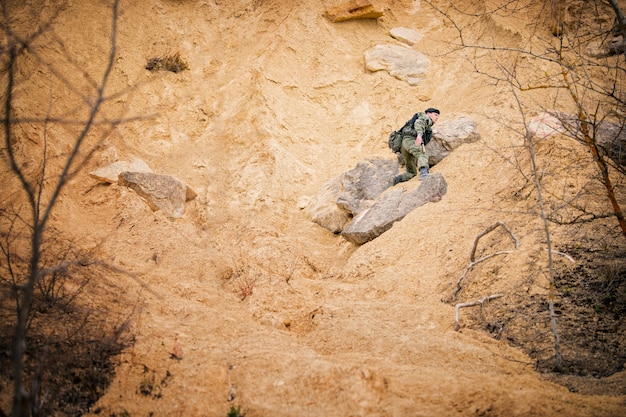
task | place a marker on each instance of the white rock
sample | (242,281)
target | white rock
(406,35)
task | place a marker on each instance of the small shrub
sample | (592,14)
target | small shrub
(245,286)
(235,412)
(173,63)
(177,351)
(147,385)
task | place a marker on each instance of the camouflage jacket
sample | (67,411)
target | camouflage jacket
(423,124)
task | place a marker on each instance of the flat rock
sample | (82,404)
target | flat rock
(399,61)
(406,35)
(353,9)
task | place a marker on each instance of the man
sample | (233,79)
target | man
(414,140)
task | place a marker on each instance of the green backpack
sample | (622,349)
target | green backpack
(395,137)
(395,141)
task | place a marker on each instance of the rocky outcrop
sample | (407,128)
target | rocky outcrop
(615,46)
(360,204)
(362,185)
(323,209)
(350,193)
(353,9)
(610,137)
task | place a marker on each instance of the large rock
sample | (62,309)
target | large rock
(353,9)
(449,135)
(363,184)
(161,192)
(392,206)
(360,204)
(615,46)
(350,193)
(323,208)
(612,139)
(400,61)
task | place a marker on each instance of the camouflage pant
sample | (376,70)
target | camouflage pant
(414,157)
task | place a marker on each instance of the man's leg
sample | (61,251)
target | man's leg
(422,164)
(409,159)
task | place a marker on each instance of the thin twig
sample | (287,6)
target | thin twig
(470,304)
(565,255)
(474,261)
(489,230)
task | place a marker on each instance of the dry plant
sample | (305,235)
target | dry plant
(149,386)
(473,261)
(42,273)
(243,278)
(481,302)
(292,268)
(177,351)
(173,63)
(558,67)
(240,278)
(244,285)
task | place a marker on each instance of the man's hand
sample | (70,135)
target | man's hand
(418,139)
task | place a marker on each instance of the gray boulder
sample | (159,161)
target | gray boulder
(612,140)
(610,137)
(350,193)
(323,208)
(614,46)
(392,206)
(360,204)
(161,192)
(362,185)
(449,135)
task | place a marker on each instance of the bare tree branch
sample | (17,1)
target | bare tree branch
(479,302)
(473,261)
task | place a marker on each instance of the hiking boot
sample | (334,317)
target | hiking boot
(397,179)
(424,173)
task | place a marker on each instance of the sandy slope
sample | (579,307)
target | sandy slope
(277,102)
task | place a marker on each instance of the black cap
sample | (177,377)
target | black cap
(431,110)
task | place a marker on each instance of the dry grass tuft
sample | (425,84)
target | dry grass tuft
(173,63)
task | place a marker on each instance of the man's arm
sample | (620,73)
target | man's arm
(420,126)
